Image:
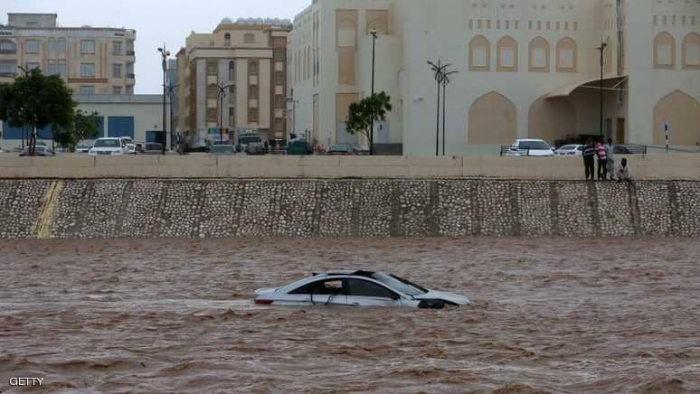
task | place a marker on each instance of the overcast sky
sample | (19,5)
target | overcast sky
(155,22)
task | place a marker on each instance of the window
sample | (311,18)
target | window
(539,55)
(567,57)
(212,92)
(57,67)
(279,78)
(116,70)
(129,68)
(87,47)
(691,51)
(31,66)
(249,38)
(278,55)
(479,54)
(87,90)
(279,124)
(130,89)
(7,47)
(253,68)
(227,39)
(253,91)
(117,90)
(231,71)
(87,70)
(507,54)
(279,101)
(8,68)
(365,288)
(211,115)
(232,94)
(333,286)
(664,51)
(212,68)
(117,48)
(252,115)
(32,46)
(480,58)
(57,46)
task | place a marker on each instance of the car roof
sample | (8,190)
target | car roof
(344,272)
(530,140)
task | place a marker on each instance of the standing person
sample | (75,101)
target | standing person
(589,160)
(610,148)
(602,154)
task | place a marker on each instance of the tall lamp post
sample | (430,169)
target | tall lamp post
(164,54)
(222,93)
(170,89)
(445,81)
(439,70)
(371,132)
(602,47)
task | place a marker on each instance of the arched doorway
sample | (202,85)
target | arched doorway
(552,119)
(493,120)
(682,112)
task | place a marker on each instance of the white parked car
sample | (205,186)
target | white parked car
(530,147)
(108,146)
(129,145)
(357,288)
(569,150)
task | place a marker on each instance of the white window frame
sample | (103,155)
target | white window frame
(480,56)
(85,48)
(566,58)
(83,73)
(539,58)
(87,90)
(34,48)
(507,55)
(117,71)
(692,54)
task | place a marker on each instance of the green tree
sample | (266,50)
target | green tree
(38,101)
(363,114)
(84,127)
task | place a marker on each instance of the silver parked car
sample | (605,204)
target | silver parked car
(357,288)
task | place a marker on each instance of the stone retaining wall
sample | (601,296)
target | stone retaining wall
(345,208)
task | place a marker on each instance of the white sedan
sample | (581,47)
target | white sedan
(569,150)
(357,288)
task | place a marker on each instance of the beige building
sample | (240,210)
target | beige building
(526,69)
(246,58)
(92,60)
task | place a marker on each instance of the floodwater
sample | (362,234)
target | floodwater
(156,316)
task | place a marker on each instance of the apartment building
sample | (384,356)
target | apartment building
(247,60)
(92,60)
(525,68)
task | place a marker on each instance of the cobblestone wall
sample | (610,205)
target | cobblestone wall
(346,208)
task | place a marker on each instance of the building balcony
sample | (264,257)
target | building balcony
(130,76)
(131,53)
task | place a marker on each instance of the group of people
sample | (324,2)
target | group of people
(606,162)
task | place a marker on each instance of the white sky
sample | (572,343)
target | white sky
(155,22)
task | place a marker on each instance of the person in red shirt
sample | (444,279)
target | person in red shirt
(602,154)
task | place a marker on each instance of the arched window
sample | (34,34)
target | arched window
(691,51)
(664,51)
(539,55)
(567,55)
(7,47)
(231,71)
(507,54)
(253,68)
(227,39)
(479,54)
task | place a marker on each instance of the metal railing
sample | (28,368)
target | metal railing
(508,150)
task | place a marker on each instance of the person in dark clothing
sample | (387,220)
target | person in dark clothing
(589,154)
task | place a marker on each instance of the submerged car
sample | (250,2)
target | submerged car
(357,288)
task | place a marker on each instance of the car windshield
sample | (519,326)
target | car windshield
(249,140)
(399,284)
(221,149)
(107,144)
(568,147)
(534,145)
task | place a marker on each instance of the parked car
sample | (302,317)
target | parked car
(299,147)
(256,148)
(82,148)
(111,146)
(129,145)
(222,150)
(357,288)
(152,148)
(530,147)
(339,150)
(38,151)
(569,150)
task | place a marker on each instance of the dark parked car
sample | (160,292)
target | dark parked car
(339,150)
(39,151)
(299,147)
(150,148)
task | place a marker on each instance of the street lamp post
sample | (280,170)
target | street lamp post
(603,45)
(164,54)
(222,93)
(445,81)
(439,70)
(171,93)
(371,132)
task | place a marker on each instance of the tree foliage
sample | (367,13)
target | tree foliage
(38,101)
(84,127)
(363,114)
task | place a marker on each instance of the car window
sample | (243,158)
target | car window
(107,144)
(568,147)
(534,145)
(365,288)
(332,286)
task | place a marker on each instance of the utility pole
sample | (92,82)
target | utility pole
(171,94)
(603,45)
(164,53)
(222,94)
(371,133)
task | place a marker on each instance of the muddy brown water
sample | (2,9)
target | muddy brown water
(157,316)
